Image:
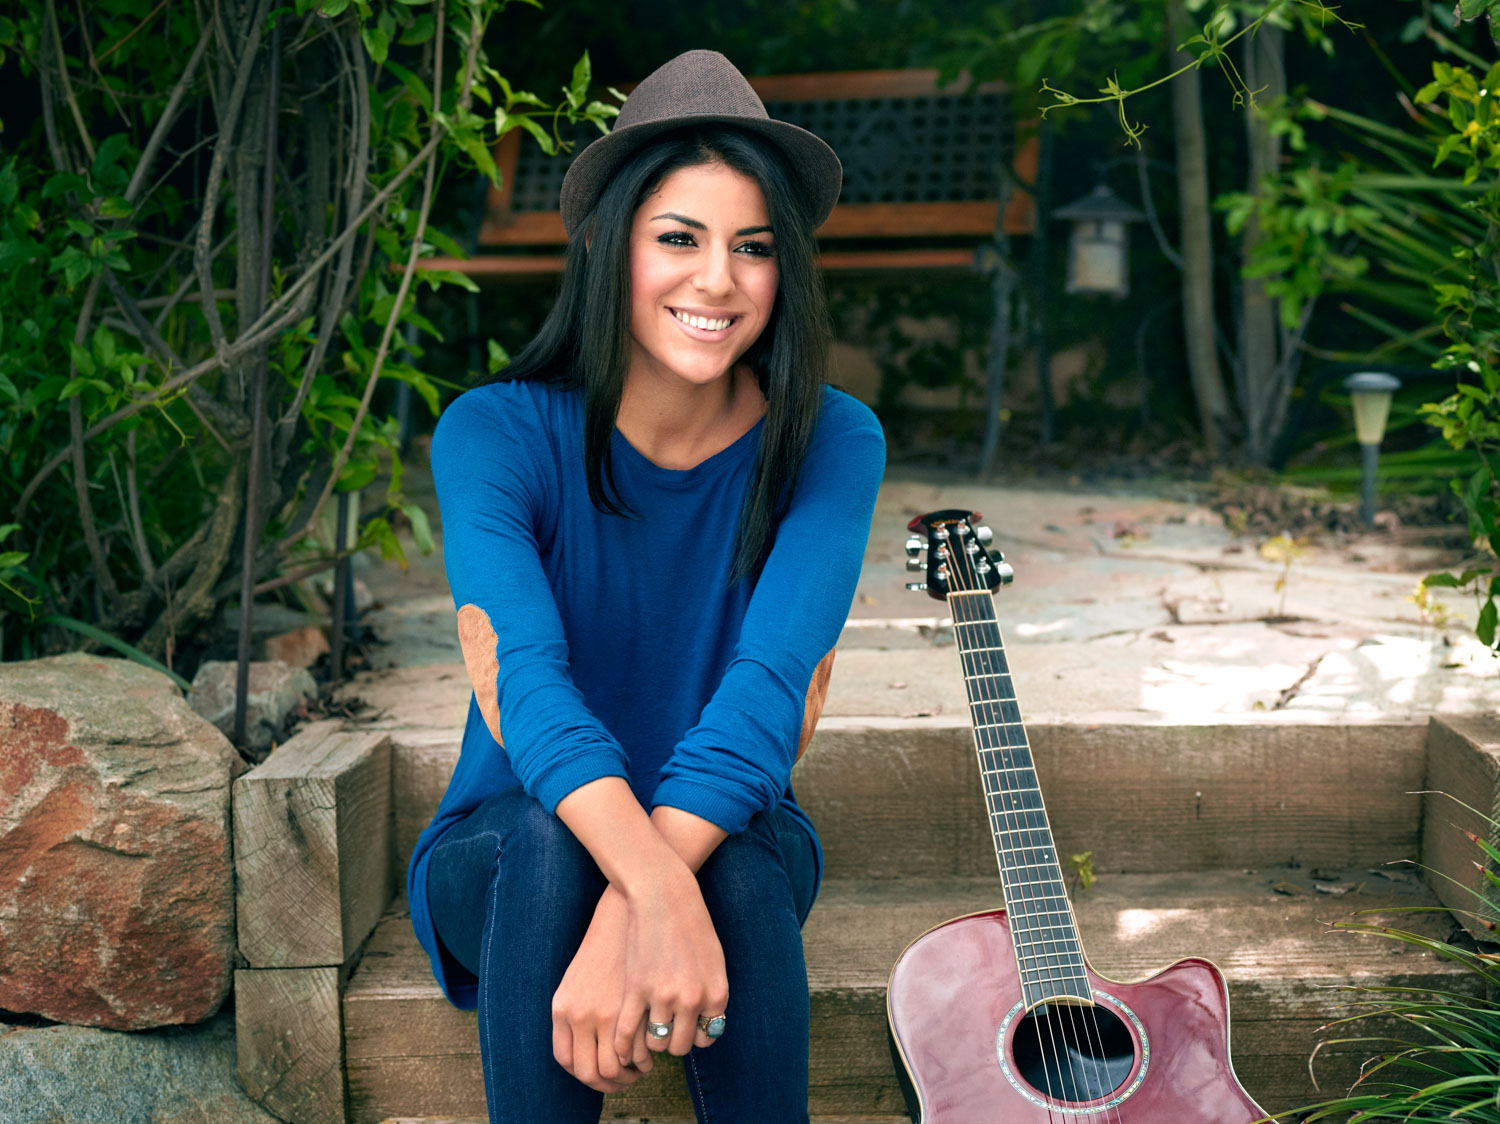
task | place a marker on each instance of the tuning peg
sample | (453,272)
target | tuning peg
(914,546)
(941,534)
(914,564)
(1007,575)
(996,556)
(983,534)
(916,587)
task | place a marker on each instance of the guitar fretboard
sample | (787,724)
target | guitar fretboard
(1048,951)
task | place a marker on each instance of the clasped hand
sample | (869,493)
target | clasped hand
(654,956)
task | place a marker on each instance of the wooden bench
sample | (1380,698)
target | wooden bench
(922,176)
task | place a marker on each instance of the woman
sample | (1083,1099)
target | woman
(653,527)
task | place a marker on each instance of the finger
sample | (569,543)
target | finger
(703,1041)
(640,1053)
(562,1042)
(658,1015)
(684,1029)
(629,1027)
(586,1057)
(608,1060)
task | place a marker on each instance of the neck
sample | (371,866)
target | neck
(677,425)
(1047,947)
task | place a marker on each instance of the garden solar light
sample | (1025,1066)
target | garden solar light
(1099,252)
(1371,393)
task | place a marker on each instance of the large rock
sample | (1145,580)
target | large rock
(80,1075)
(116,869)
(275,689)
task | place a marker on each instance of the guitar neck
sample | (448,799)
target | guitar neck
(1048,951)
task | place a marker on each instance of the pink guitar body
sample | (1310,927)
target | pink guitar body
(956,1018)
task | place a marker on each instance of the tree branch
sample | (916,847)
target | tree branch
(434,135)
(80,467)
(67,82)
(202,263)
(247,342)
(168,115)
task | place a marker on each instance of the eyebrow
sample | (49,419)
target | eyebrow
(696,225)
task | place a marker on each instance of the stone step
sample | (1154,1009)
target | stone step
(902,1119)
(898,796)
(410,1053)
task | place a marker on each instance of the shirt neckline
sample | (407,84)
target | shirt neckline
(638,463)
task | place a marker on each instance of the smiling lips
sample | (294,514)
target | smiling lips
(703,323)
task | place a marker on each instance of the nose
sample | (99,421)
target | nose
(715,277)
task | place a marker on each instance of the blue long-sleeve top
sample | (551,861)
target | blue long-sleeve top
(604,645)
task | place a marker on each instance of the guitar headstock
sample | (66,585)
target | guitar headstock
(957,558)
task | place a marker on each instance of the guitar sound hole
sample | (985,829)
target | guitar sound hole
(1072,1053)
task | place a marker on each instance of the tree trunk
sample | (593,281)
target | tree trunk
(1197,245)
(1264,388)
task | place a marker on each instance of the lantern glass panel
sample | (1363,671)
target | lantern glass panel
(1371,409)
(1112,231)
(1099,267)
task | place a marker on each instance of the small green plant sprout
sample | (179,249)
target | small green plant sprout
(11,570)
(1432,612)
(1444,1061)
(1081,871)
(1285,550)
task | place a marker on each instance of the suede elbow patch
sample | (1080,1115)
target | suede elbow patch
(476,636)
(817,694)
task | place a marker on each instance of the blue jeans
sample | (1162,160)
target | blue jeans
(512,893)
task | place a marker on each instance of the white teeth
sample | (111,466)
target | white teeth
(702,322)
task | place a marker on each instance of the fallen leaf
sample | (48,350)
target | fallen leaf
(898,686)
(1290,889)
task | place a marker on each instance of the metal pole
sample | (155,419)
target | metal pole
(257,412)
(340,584)
(1370,465)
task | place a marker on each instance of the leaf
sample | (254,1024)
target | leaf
(356,474)
(332,8)
(578,89)
(1484,628)
(110,151)
(421,529)
(498,357)
(436,277)
(377,41)
(1472,9)
(83,362)
(420,30)
(118,645)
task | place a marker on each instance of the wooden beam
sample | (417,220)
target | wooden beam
(505,267)
(975,219)
(312,847)
(1463,763)
(289,1041)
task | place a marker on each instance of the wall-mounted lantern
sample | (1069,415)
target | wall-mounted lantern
(1099,251)
(1371,393)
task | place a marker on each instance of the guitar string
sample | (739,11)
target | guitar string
(1088,1019)
(959,558)
(1022,923)
(1030,852)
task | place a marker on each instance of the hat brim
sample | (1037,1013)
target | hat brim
(812,161)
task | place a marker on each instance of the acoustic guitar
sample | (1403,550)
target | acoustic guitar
(997,1017)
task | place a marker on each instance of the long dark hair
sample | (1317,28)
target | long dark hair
(585,340)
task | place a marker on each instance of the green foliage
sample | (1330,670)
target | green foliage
(133,274)
(1446,1066)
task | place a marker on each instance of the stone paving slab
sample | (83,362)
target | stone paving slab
(1122,603)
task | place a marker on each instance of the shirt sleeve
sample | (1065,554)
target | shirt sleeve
(738,759)
(493,487)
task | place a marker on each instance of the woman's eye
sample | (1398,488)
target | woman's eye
(758,249)
(676,238)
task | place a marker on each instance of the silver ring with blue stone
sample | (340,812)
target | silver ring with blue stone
(711,1026)
(658,1030)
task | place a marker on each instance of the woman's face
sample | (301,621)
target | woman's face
(703,275)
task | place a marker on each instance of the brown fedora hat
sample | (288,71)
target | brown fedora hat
(697,87)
